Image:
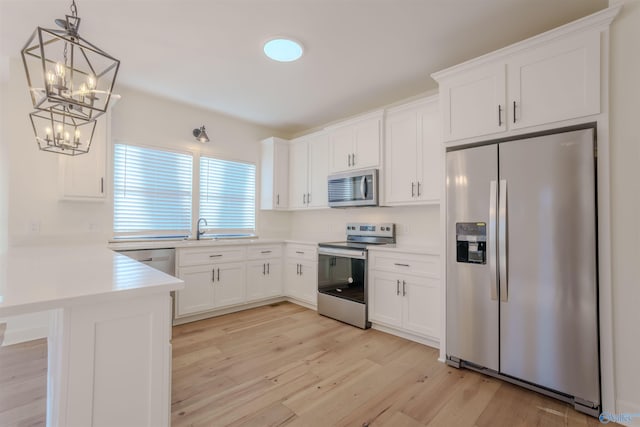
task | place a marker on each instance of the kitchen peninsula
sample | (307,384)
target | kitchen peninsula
(109,343)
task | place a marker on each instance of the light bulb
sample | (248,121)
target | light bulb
(77,135)
(66,136)
(83,89)
(59,69)
(47,131)
(91,82)
(51,78)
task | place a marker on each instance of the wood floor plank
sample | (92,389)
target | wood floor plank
(283,364)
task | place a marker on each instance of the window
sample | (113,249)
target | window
(152,192)
(228,196)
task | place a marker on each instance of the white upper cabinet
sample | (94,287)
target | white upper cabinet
(557,81)
(473,104)
(84,177)
(413,154)
(355,144)
(308,166)
(532,85)
(274,174)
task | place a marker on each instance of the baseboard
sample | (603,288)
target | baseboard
(628,413)
(226,310)
(17,336)
(407,335)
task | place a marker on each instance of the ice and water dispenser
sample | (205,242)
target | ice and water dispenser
(471,242)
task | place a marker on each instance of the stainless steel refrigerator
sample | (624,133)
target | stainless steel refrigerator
(522,288)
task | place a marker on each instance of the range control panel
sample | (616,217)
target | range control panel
(471,242)
(377,230)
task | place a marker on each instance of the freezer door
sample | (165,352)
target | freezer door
(548,286)
(472,304)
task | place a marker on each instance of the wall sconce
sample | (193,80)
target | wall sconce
(201,134)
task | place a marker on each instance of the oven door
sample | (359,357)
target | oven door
(342,274)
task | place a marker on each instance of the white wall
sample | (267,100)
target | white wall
(415,225)
(625,194)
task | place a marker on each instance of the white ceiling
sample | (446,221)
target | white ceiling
(359,54)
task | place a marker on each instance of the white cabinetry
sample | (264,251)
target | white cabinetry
(84,177)
(413,154)
(308,166)
(404,294)
(264,272)
(355,144)
(550,78)
(301,273)
(213,277)
(274,174)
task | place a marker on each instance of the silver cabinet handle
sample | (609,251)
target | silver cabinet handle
(300,252)
(492,241)
(404,288)
(145,260)
(215,256)
(401,265)
(304,199)
(218,278)
(308,198)
(268,265)
(398,287)
(265,252)
(418,188)
(502,240)
(301,269)
(264,269)
(413,190)
(298,269)
(514,111)
(213,275)
(353,159)
(102,183)
(499,115)
(278,200)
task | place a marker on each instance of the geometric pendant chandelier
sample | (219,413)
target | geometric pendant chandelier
(70,82)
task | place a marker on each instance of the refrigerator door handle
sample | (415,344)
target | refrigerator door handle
(502,240)
(492,240)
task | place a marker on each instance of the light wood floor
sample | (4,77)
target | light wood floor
(286,365)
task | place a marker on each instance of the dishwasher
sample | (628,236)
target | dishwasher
(160,259)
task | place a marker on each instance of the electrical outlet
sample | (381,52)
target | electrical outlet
(34,227)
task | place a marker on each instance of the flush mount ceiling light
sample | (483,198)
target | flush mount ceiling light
(283,49)
(201,134)
(67,75)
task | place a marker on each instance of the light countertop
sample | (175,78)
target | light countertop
(45,277)
(182,243)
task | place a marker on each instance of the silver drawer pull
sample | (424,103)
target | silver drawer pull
(300,252)
(265,252)
(401,265)
(215,256)
(145,260)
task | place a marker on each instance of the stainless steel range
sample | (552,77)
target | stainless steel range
(342,272)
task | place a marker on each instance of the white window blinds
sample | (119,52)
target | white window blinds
(152,192)
(228,196)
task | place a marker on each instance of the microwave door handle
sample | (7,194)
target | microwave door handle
(363,187)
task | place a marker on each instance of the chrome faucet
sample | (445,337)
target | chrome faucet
(198,232)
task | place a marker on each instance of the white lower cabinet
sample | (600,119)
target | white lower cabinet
(264,272)
(301,273)
(197,295)
(229,284)
(404,293)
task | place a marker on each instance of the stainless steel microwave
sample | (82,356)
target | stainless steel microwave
(353,188)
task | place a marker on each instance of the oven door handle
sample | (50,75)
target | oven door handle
(347,253)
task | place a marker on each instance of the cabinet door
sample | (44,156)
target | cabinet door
(318,171)
(309,282)
(341,149)
(431,154)
(557,81)
(292,282)
(366,137)
(229,284)
(421,302)
(281,176)
(298,175)
(256,280)
(273,283)
(400,156)
(83,177)
(473,103)
(385,300)
(198,293)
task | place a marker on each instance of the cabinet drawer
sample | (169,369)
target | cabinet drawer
(305,252)
(428,265)
(208,255)
(264,251)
